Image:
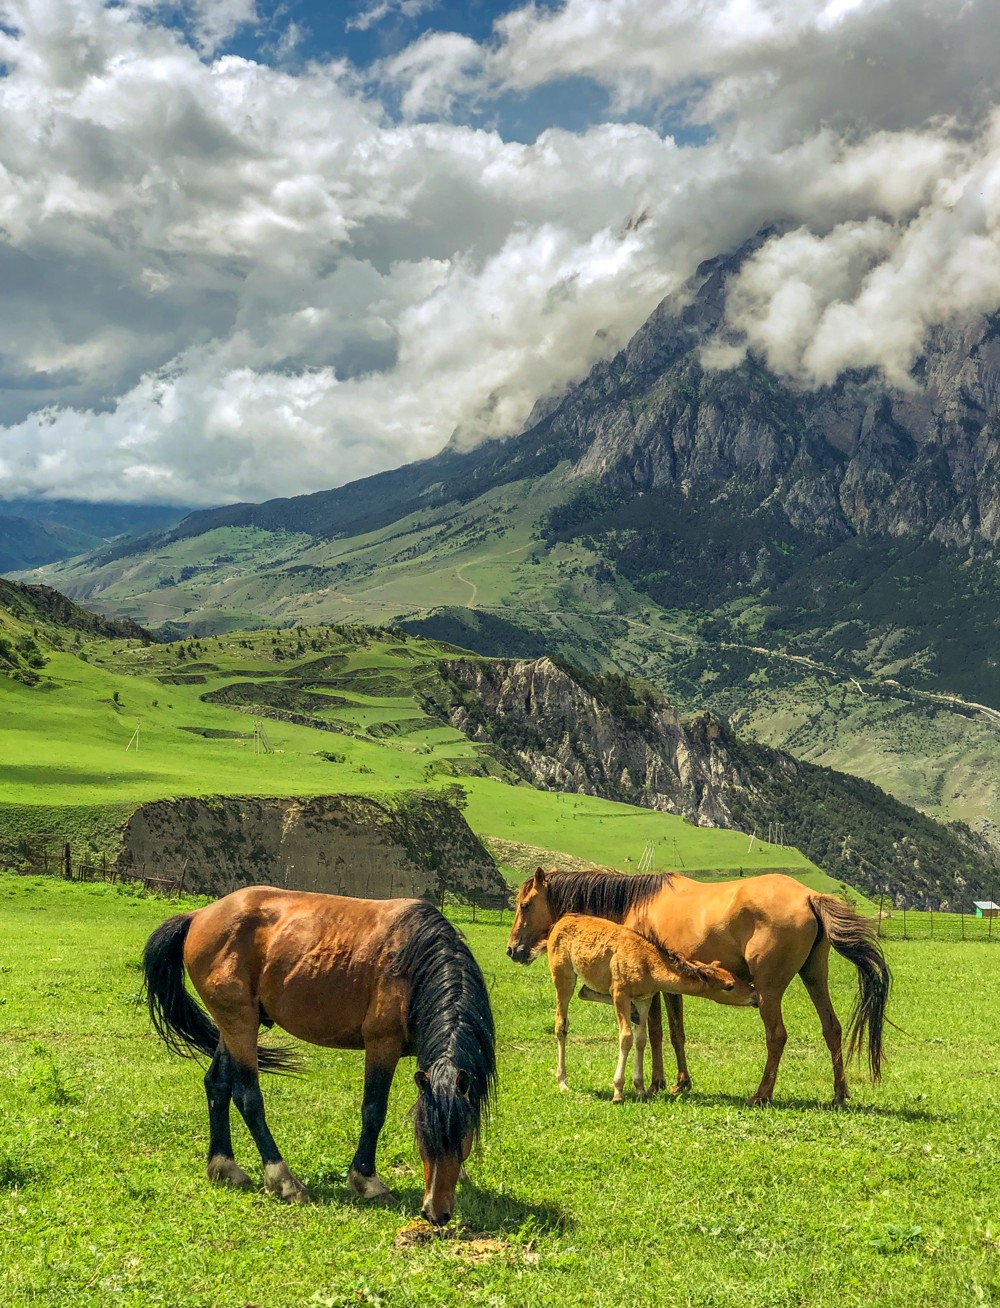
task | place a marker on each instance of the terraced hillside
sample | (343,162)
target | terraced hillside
(107,722)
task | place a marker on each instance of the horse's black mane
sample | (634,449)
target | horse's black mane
(451,1025)
(602,894)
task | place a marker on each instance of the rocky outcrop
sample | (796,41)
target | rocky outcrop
(855,457)
(338,844)
(561,734)
(563,729)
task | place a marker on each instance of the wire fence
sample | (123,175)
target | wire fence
(926,924)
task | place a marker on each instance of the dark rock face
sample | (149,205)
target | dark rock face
(336,844)
(855,457)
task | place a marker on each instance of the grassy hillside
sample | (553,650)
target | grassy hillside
(544,565)
(701,1201)
(343,714)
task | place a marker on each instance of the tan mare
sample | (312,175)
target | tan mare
(763,929)
(612,960)
(392,977)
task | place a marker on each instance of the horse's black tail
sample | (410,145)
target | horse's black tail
(855,938)
(182,1024)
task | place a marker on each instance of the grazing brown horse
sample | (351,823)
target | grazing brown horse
(764,929)
(392,977)
(612,960)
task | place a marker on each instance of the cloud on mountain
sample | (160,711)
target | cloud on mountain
(227,280)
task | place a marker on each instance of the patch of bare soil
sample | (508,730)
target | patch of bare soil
(470,1246)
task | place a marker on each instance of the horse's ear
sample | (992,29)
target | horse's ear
(463,1083)
(422,1080)
(539,878)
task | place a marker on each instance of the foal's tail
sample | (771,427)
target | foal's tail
(855,937)
(182,1024)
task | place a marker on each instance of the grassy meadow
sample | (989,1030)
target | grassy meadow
(71,768)
(702,1202)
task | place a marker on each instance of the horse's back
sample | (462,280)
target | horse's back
(720,920)
(315,962)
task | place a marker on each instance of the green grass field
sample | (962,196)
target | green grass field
(703,1202)
(68,771)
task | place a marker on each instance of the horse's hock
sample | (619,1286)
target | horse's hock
(338,844)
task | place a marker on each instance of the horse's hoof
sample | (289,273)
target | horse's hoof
(641,1095)
(226,1171)
(617,1097)
(760,1101)
(564,1087)
(279,1181)
(368,1187)
(681,1088)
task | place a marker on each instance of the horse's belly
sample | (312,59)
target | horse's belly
(321,1012)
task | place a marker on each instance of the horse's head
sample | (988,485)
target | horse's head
(446,1120)
(532,921)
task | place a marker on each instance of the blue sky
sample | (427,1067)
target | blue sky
(366,32)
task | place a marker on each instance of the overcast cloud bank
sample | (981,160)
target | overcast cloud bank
(226,280)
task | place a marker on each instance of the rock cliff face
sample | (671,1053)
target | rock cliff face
(337,844)
(560,735)
(565,730)
(855,457)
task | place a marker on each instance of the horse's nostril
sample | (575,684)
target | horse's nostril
(510,951)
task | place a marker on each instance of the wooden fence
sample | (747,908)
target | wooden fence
(31,858)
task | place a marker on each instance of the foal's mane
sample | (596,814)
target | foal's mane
(602,894)
(450,1023)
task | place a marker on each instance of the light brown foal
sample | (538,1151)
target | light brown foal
(612,960)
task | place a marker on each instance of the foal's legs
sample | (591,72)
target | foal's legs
(643,1006)
(381,1058)
(222,1166)
(564,977)
(815,977)
(623,1008)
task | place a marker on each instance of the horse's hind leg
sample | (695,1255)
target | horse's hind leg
(815,978)
(241,1042)
(380,1066)
(638,1074)
(222,1166)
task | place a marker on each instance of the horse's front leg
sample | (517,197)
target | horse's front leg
(675,1020)
(381,1058)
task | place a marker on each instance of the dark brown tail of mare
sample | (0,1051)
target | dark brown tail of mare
(182,1024)
(855,938)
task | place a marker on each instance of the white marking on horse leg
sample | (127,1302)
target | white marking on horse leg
(624,1046)
(279,1180)
(226,1171)
(561,1060)
(368,1187)
(638,1075)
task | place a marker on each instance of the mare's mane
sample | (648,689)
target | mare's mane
(450,1023)
(602,894)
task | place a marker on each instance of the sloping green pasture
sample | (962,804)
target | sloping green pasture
(703,1202)
(67,768)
